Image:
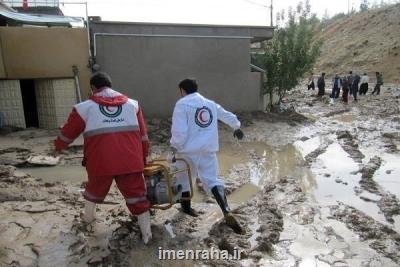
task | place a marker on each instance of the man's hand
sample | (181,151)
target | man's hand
(238,134)
(171,157)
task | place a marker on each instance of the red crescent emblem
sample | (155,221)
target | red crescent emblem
(201,116)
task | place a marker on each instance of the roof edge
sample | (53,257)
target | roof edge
(182,24)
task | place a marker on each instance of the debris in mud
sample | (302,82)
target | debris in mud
(289,116)
(12,161)
(14,150)
(384,239)
(16,158)
(304,138)
(42,160)
(159,130)
(340,181)
(348,144)
(390,140)
(6,171)
(336,112)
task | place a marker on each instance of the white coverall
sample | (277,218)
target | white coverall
(195,137)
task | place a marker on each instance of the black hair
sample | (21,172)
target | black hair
(189,85)
(351,72)
(100,79)
(323,74)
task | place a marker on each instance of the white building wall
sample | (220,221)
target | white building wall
(54,98)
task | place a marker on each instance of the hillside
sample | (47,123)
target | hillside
(364,42)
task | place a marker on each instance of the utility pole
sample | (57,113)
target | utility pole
(348,7)
(272,8)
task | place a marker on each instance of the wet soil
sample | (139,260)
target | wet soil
(314,184)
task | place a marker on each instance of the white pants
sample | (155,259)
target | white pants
(203,166)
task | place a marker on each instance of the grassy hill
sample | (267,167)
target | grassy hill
(363,42)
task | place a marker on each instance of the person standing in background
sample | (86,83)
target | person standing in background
(354,86)
(364,84)
(337,84)
(345,93)
(321,84)
(379,83)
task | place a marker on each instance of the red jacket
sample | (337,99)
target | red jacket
(115,135)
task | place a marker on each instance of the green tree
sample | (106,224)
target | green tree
(364,6)
(291,53)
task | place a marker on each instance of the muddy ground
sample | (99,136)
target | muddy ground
(315,187)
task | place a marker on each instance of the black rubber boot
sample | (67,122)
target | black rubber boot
(186,206)
(219,194)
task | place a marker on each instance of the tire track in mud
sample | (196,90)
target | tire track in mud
(388,203)
(381,238)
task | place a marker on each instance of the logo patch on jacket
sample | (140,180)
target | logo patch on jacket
(110,111)
(203,117)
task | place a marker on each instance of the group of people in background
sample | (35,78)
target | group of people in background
(352,84)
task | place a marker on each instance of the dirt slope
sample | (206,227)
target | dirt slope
(364,42)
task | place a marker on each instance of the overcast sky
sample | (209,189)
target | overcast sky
(230,12)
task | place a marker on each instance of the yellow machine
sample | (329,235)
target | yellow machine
(162,189)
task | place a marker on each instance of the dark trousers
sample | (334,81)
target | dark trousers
(363,89)
(335,92)
(345,95)
(321,91)
(377,89)
(354,91)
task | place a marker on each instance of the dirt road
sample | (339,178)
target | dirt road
(315,188)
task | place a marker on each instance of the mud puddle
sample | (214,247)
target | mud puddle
(263,164)
(70,174)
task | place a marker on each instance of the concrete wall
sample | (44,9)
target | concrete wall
(256,81)
(11,106)
(31,53)
(148,68)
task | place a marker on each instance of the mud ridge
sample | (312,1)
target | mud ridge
(311,157)
(348,143)
(367,173)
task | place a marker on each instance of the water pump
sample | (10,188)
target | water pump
(162,190)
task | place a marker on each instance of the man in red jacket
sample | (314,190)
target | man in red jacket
(115,147)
